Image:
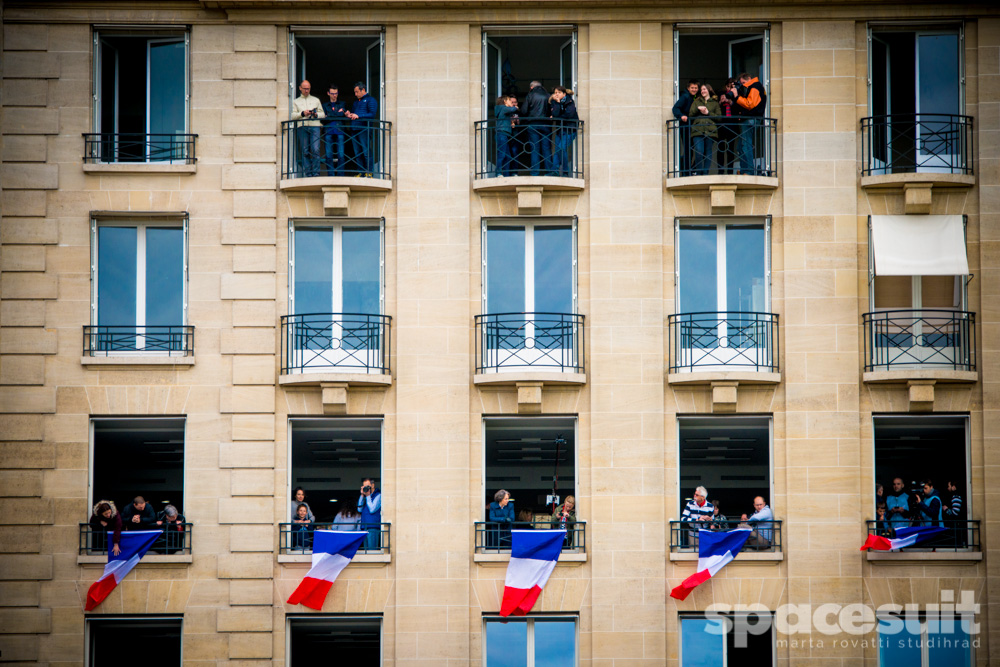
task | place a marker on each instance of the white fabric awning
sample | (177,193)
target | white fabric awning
(919,245)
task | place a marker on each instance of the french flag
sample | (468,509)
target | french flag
(134,545)
(716,549)
(533,556)
(905,537)
(332,551)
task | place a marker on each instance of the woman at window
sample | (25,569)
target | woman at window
(105,518)
(705,110)
(565,517)
(347,518)
(506,112)
(565,117)
(502,517)
(719,520)
(299,498)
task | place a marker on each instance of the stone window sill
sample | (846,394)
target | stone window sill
(924,556)
(138,168)
(370,560)
(570,558)
(137,360)
(744,557)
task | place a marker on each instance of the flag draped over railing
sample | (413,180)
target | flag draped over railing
(716,549)
(905,537)
(533,556)
(332,551)
(134,545)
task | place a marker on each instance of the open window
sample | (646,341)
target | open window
(916,97)
(138,287)
(336,298)
(337,56)
(945,640)
(712,53)
(733,639)
(533,641)
(156,638)
(354,640)
(514,56)
(141,96)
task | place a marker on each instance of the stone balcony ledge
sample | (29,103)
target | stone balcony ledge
(941,375)
(739,181)
(348,378)
(708,377)
(364,560)
(520,376)
(352,183)
(512,183)
(898,181)
(569,558)
(743,557)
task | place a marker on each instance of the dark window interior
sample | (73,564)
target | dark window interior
(918,448)
(513,61)
(531,458)
(329,458)
(114,640)
(715,57)
(139,457)
(730,456)
(747,643)
(342,641)
(342,60)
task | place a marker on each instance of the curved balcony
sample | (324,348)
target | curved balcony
(350,348)
(354,154)
(530,347)
(536,152)
(925,344)
(917,149)
(738,152)
(723,346)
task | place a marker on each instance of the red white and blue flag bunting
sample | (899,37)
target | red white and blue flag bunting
(533,556)
(134,545)
(905,537)
(332,551)
(716,549)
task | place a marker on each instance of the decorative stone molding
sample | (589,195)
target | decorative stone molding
(336,201)
(723,199)
(529,200)
(529,398)
(334,398)
(724,396)
(921,394)
(918,198)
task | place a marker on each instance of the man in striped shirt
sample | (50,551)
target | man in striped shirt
(698,510)
(954,513)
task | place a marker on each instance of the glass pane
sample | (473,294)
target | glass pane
(697,262)
(166,97)
(898,643)
(746,247)
(554,269)
(747,56)
(361,253)
(555,643)
(164,276)
(313,270)
(938,74)
(703,643)
(505,270)
(116,280)
(507,644)
(949,643)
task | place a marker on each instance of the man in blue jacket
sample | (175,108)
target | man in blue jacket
(336,112)
(370,506)
(930,506)
(680,110)
(364,114)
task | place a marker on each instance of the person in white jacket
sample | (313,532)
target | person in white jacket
(307,110)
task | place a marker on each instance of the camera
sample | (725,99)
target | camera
(366,488)
(916,488)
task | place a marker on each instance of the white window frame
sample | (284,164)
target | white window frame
(722,28)
(489,31)
(725,642)
(140,223)
(90,618)
(530,620)
(377,33)
(925,635)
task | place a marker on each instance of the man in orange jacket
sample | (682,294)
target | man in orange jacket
(751,102)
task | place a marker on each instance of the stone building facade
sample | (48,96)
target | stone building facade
(636,390)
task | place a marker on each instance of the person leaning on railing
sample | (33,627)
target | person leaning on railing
(105,518)
(501,519)
(302,528)
(172,523)
(704,110)
(505,111)
(719,520)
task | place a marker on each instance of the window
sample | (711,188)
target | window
(938,641)
(535,641)
(723,294)
(139,287)
(338,56)
(514,56)
(141,95)
(156,638)
(714,54)
(916,96)
(529,295)
(737,639)
(354,640)
(336,297)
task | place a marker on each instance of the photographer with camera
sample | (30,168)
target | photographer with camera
(307,110)
(370,506)
(930,506)
(897,505)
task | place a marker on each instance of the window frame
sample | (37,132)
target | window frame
(721,28)
(337,269)
(924,634)
(377,32)
(530,620)
(140,222)
(291,618)
(529,263)
(725,644)
(89,619)
(572,31)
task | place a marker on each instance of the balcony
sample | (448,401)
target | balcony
(960,542)
(546,153)
(132,152)
(493,540)
(129,345)
(529,347)
(925,344)
(295,542)
(742,156)
(312,157)
(765,543)
(723,346)
(174,546)
(922,150)
(350,348)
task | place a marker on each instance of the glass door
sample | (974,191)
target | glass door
(881,105)
(938,91)
(166,93)
(747,55)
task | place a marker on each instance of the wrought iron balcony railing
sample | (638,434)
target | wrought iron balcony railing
(925,338)
(494,538)
(331,148)
(736,341)
(536,341)
(958,536)
(722,145)
(765,536)
(529,147)
(349,342)
(101,340)
(916,143)
(110,148)
(176,540)
(294,538)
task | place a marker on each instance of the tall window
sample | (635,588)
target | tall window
(712,55)
(336,296)
(738,639)
(536,641)
(354,640)
(139,286)
(513,57)
(909,641)
(141,93)
(340,57)
(156,638)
